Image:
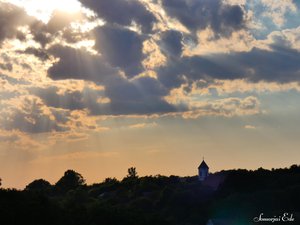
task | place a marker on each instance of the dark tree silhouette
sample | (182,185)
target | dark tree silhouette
(132,172)
(38,185)
(158,200)
(110,180)
(70,181)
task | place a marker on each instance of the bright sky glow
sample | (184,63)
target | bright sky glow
(43,9)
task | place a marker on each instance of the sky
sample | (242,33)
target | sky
(101,86)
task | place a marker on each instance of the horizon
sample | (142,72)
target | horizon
(120,178)
(100,86)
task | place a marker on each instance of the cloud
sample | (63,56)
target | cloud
(143,95)
(87,98)
(8,136)
(57,25)
(28,114)
(250,127)
(78,64)
(11,18)
(37,52)
(277,10)
(68,100)
(227,107)
(222,18)
(121,47)
(239,41)
(6,66)
(22,140)
(139,60)
(69,137)
(10,87)
(279,64)
(60,19)
(137,96)
(172,43)
(123,12)
(273,60)
(223,87)
(142,125)
(285,39)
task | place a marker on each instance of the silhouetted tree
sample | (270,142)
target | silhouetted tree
(110,180)
(38,185)
(70,181)
(155,200)
(132,172)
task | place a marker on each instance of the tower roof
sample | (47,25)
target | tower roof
(203,165)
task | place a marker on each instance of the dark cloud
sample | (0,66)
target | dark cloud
(223,19)
(12,17)
(141,96)
(171,43)
(121,50)
(26,66)
(58,26)
(37,52)
(72,100)
(172,74)
(61,116)
(31,116)
(40,34)
(121,47)
(59,22)
(280,65)
(73,36)
(78,64)
(6,66)
(51,97)
(123,12)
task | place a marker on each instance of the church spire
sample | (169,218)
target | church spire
(203,170)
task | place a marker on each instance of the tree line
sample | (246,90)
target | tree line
(158,200)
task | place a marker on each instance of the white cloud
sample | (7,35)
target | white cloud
(142,125)
(250,127)
(276,10)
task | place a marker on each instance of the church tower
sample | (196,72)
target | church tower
(203,171)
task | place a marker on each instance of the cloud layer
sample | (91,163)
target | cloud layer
(130,57)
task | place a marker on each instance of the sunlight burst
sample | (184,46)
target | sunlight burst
(43,9)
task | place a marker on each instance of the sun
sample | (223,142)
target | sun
(43,9)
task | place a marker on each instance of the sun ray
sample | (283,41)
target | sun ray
(43,9)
